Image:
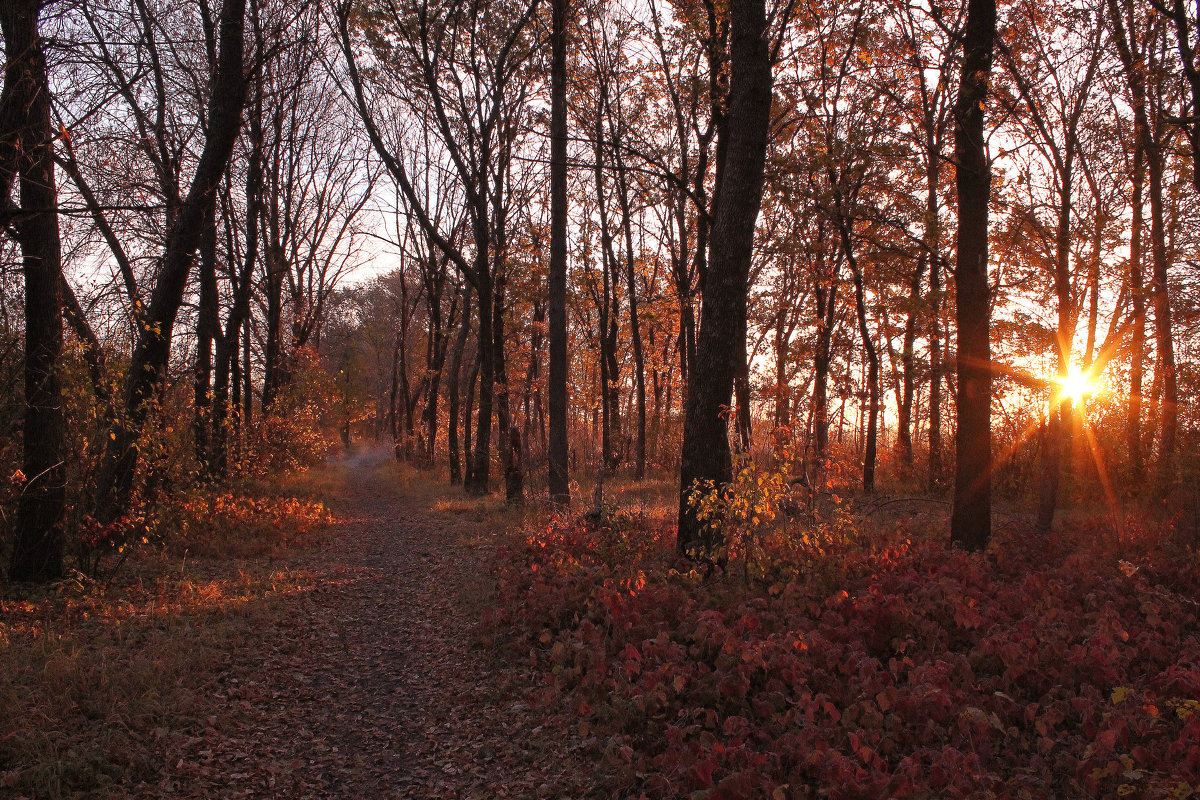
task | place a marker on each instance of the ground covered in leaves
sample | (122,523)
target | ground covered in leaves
(297,660)
(847,664)
(407,641)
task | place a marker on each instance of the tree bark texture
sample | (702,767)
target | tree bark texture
(971,519)
(719,351)
(560,492)
(28,150)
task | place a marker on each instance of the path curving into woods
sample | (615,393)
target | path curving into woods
(372,686)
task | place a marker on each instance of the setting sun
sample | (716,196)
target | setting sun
(1076,385)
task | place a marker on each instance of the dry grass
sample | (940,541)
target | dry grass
(100,681)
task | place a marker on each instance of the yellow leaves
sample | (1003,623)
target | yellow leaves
(1120,694)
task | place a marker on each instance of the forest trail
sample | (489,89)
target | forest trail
(373,688)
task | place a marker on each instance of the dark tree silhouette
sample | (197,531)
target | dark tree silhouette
(152,351)
(27,150)
(720,346)
(560,490)
(971,520)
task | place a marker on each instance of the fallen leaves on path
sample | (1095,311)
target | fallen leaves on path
(369,684)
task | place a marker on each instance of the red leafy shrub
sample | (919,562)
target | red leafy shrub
(1059,667)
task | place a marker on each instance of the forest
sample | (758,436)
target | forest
(739,398)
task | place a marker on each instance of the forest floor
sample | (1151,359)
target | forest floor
(412,642)
(346,670)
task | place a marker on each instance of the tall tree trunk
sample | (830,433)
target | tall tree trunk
(208,327)
(247,380)
(908,364)
(1058,427)
(394,399)
(635,331)
(273,355)
(225,407)
(826,300)
(1148,147)
(782,389)
(971,519)
(560,492)
(741,394)
(151,354)
(455,382)
(608,305)
(872,354)
(1137,343)
(27,147)
(438,345)
(934,478)
(514,480)
(468,410)
(706,454)
(477,475)
(1160,298)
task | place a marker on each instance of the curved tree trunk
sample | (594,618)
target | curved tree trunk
(152,351)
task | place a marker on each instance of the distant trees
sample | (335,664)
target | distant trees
(587,259)
(464,68)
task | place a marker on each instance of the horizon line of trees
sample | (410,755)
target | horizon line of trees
(654,233)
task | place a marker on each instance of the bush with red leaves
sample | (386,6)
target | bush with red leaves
(1065,666)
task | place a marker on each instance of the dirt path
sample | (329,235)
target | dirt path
(372,687)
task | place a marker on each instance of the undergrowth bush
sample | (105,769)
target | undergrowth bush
(886,665)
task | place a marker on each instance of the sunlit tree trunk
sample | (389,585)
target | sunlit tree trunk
(1058,425)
